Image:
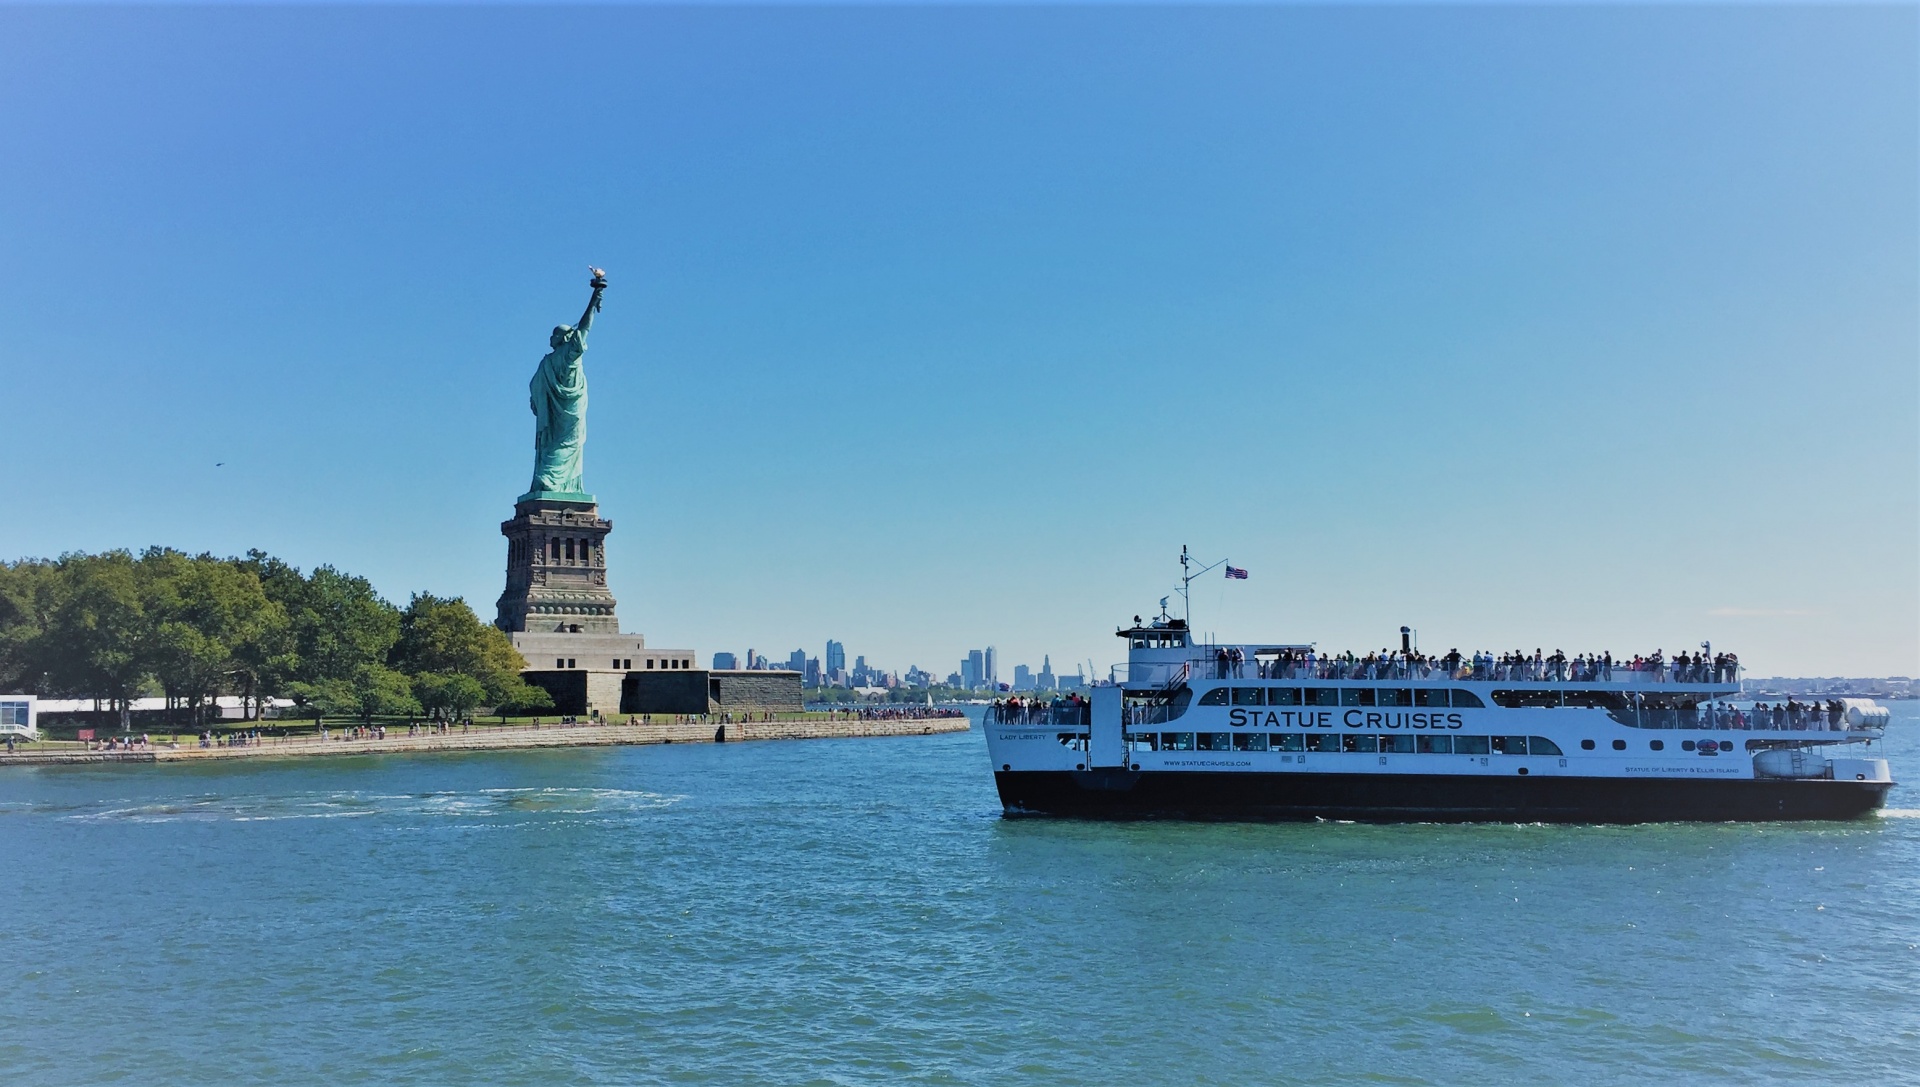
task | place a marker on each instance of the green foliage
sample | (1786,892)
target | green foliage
(94,639)
(442,635)
(372,691)
(383,691)
(339,624)
(113,626)
(211,627)
(448,696)
(523,699)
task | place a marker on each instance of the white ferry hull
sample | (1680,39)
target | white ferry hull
(1262,731)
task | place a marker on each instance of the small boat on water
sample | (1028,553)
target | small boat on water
(1280,731)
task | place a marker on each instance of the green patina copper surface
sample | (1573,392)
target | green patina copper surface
(558,394)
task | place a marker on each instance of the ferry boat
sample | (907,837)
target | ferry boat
(1258,731)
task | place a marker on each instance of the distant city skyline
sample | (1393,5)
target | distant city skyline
(977,671)
(1571,326)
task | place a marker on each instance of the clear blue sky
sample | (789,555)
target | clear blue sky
(930,328)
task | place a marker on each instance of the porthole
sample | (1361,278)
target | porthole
(1586,745)
(1657,745)
(1523,771)
(1619,745)
(1686,745)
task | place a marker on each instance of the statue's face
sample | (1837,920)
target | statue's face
(559,335)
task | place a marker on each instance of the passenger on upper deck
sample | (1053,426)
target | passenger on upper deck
(1229,662)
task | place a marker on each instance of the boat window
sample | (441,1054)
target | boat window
(1283,696)
(1322,741)
(1434,745)
(1215,697)
(1249,696)
(1429,696)
(1287,741)
(1395,696)
(1176,741)
(1157,708)
(1216,741)
(1592,700)
(1619,745)
(1469,745)
(1356,696)
(1657,745)
(1527,700)
(1322,696)
(1669,710)
(1151,740)
(1540,745)
(1249,741)
(1509,745)
(1361,743)
(1398,745)
(1467,700)
(1073,741)
(1586,745)
(1686,745)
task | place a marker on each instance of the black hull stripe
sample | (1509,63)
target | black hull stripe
(1403,798)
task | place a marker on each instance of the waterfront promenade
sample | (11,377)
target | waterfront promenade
(510,737)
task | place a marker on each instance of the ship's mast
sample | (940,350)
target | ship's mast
(1187,574)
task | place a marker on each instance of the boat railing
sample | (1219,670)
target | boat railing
(1062,715)
(1618,674)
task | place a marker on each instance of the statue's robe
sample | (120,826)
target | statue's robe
(559,394)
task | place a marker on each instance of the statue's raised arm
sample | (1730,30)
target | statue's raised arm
(599,284)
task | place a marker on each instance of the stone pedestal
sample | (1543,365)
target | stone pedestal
(557,570)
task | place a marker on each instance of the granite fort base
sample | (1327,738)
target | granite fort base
(579,692)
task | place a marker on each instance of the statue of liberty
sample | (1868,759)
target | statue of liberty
(559,397)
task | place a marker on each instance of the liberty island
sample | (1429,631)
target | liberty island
(561,629)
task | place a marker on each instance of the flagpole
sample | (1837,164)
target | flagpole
(1186,581)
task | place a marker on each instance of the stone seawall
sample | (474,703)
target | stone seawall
(499,739)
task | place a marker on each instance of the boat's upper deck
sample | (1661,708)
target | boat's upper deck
(1165,652)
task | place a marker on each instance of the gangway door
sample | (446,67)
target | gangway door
(1106,745)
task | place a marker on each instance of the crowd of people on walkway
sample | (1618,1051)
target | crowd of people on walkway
(1071,710)
(895,713)
(1229,662)
(1793,715)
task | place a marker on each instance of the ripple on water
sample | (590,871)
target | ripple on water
(480,804)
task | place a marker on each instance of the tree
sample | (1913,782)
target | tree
(442,635)
(30,593)
(210,624)
(374,690)
(96,640)
(523,698)
(448,696)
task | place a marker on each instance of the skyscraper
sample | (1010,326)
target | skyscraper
(836,656)
(797,661)
(725,661)
(974,671)
(1046,673)
(991,670)
(1022,678)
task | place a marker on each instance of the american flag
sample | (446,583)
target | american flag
(1234,573)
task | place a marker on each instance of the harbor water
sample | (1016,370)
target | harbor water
(859,912)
